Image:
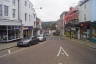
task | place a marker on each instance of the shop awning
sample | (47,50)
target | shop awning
(10,22)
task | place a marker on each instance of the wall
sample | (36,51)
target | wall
(93,12)
(10,6)
(29,10)
(22,10)
(85,9)
(88,9)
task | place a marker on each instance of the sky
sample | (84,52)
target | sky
(51,9)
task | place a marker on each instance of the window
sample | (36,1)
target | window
(25,3)
(85,17)
(25,16)
(5,10)
(34,15)
(85,6)
(14,2)
(14,13)
(0,10)
(29,5)
(29,17)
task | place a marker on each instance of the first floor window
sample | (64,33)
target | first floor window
(25,16)
(85,17)
(14,13)
(25,3)
(29,17)
(14,2)
(5,10)
(0,10)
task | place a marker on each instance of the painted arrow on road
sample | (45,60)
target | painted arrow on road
(62,52)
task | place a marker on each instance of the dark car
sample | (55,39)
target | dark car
(34,40)
(24,42)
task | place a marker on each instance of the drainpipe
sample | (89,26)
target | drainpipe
(21,28)
(18,10)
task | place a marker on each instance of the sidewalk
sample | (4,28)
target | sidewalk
(7,45)
(83,42)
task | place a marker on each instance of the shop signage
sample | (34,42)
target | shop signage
(26,28)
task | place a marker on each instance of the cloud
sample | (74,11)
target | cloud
(52,8)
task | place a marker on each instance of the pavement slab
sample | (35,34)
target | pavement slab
(4,46)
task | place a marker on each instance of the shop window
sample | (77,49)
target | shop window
(3,27)
(9,27)
(94,33)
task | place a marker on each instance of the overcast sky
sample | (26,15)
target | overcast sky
(51,9)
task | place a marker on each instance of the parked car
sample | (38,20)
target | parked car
(34,40)
(46,34)
(41,38)
(24,42)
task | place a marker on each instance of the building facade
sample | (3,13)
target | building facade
(61,23)
(71,21)
(9,22)
(28,17)
(17,18)
(38,28)
(86,10)
(87,18)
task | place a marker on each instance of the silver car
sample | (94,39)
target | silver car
(24,42)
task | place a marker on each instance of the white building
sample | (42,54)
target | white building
(9,23)
(27,13)
(87,15)
(87,10)
(13,15)
(9,10)
(27,16)
(38,28)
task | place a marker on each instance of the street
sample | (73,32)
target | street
(47,32)
(52,51)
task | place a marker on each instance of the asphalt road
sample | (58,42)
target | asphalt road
(52,51)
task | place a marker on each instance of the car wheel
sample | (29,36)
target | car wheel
(18,45)
(29,45)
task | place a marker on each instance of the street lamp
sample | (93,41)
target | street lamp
(38,8)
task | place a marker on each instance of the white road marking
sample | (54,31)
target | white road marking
(17,51)
(60,63)
(62,51)
(9,51)
(4,55)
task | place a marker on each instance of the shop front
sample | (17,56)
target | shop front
(27,31)
(93,32)
(71,30)
(9,33)
(85,30)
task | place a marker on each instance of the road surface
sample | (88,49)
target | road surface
(52,51)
